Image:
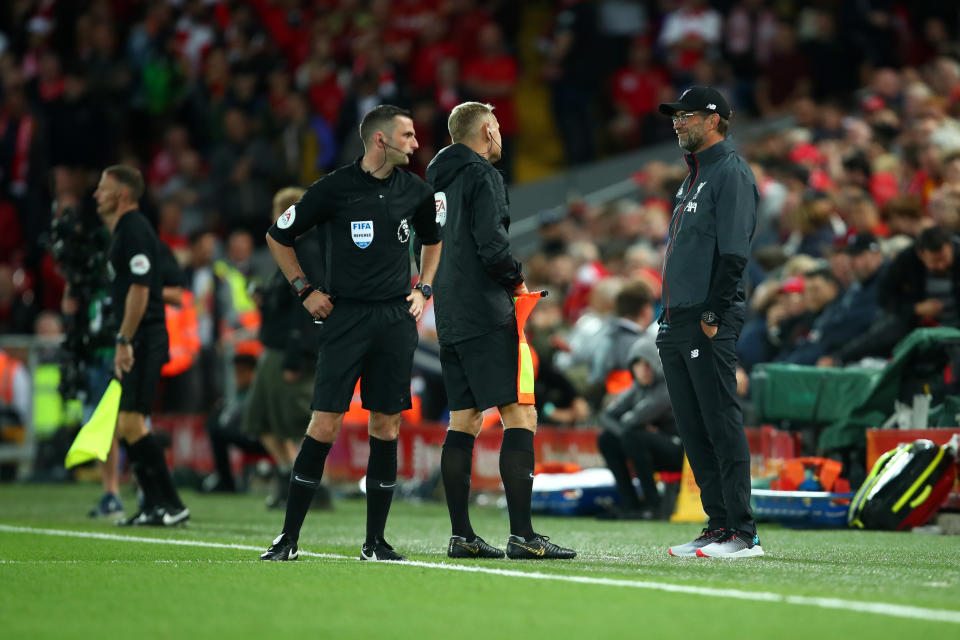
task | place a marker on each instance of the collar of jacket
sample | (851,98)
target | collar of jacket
(380,182)
(711,154)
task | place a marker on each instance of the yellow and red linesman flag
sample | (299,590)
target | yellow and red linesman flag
(524,303)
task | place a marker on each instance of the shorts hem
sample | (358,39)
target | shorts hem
(328,410)
(389,413)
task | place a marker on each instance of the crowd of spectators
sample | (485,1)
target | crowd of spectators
(857,245)
(222,102)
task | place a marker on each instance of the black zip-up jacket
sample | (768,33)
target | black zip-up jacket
(366,233)
(287,326)
(713,225)
(904,284)
(477,274)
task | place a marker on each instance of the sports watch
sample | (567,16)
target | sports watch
(122,340)
(301,287)
(710,318)
(425,289)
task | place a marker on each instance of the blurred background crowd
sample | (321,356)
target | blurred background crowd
(223,102)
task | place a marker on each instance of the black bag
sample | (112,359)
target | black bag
(906,486)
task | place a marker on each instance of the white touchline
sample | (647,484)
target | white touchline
(880,608)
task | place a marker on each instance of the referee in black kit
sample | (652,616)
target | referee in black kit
(136,288)
(711,230)
(479,341)
(368,309)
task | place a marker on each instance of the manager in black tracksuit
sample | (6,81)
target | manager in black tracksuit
(711,230)
(477,328)
(364,213)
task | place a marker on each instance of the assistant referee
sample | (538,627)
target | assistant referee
(367,307)
(477,328)
(136,291)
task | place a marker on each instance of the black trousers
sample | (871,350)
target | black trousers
(649,452)
(701,379)
(222,435)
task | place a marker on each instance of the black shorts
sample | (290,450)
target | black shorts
(481,372)
(151,349)
(372,341)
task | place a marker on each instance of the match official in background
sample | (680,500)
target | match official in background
(136,291)
(713,225)
(367,307)
(477,329)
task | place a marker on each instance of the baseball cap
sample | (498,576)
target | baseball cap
(793,284)
(698,98)
(862,242)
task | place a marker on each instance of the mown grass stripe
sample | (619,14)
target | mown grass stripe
(858,606)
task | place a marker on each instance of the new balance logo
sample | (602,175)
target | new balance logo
(694,353)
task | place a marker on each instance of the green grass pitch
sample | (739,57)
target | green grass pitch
(204,580)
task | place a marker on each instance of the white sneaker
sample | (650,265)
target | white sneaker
(734,545)
(689,550)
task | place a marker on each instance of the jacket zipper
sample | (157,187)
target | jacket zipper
(676,229)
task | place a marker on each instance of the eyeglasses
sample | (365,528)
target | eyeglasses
(683,117)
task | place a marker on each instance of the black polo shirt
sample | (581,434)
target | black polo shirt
(135,259)
(365,228)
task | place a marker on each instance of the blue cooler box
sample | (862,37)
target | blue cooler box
(583,493)
(801,509)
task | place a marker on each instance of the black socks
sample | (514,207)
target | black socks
(150,467)
(456,465)
(304,480)
(516,471)
(381,480)
(142,473)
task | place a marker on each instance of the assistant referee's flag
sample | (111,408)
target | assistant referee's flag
(524,303)
(96,437)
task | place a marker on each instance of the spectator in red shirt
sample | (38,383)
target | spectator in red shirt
(492,77)
(163,165)
(434,46)
(635,91)
(466,22)
(447,91)
(318,78)
(785,77)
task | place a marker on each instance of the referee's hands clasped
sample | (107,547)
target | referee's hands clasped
(318,304)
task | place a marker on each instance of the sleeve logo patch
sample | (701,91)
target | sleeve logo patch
(440,199)
(287,217)
(139,264)
(362,233)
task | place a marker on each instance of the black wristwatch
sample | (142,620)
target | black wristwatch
(710,318)
(122,340)
(425,289)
